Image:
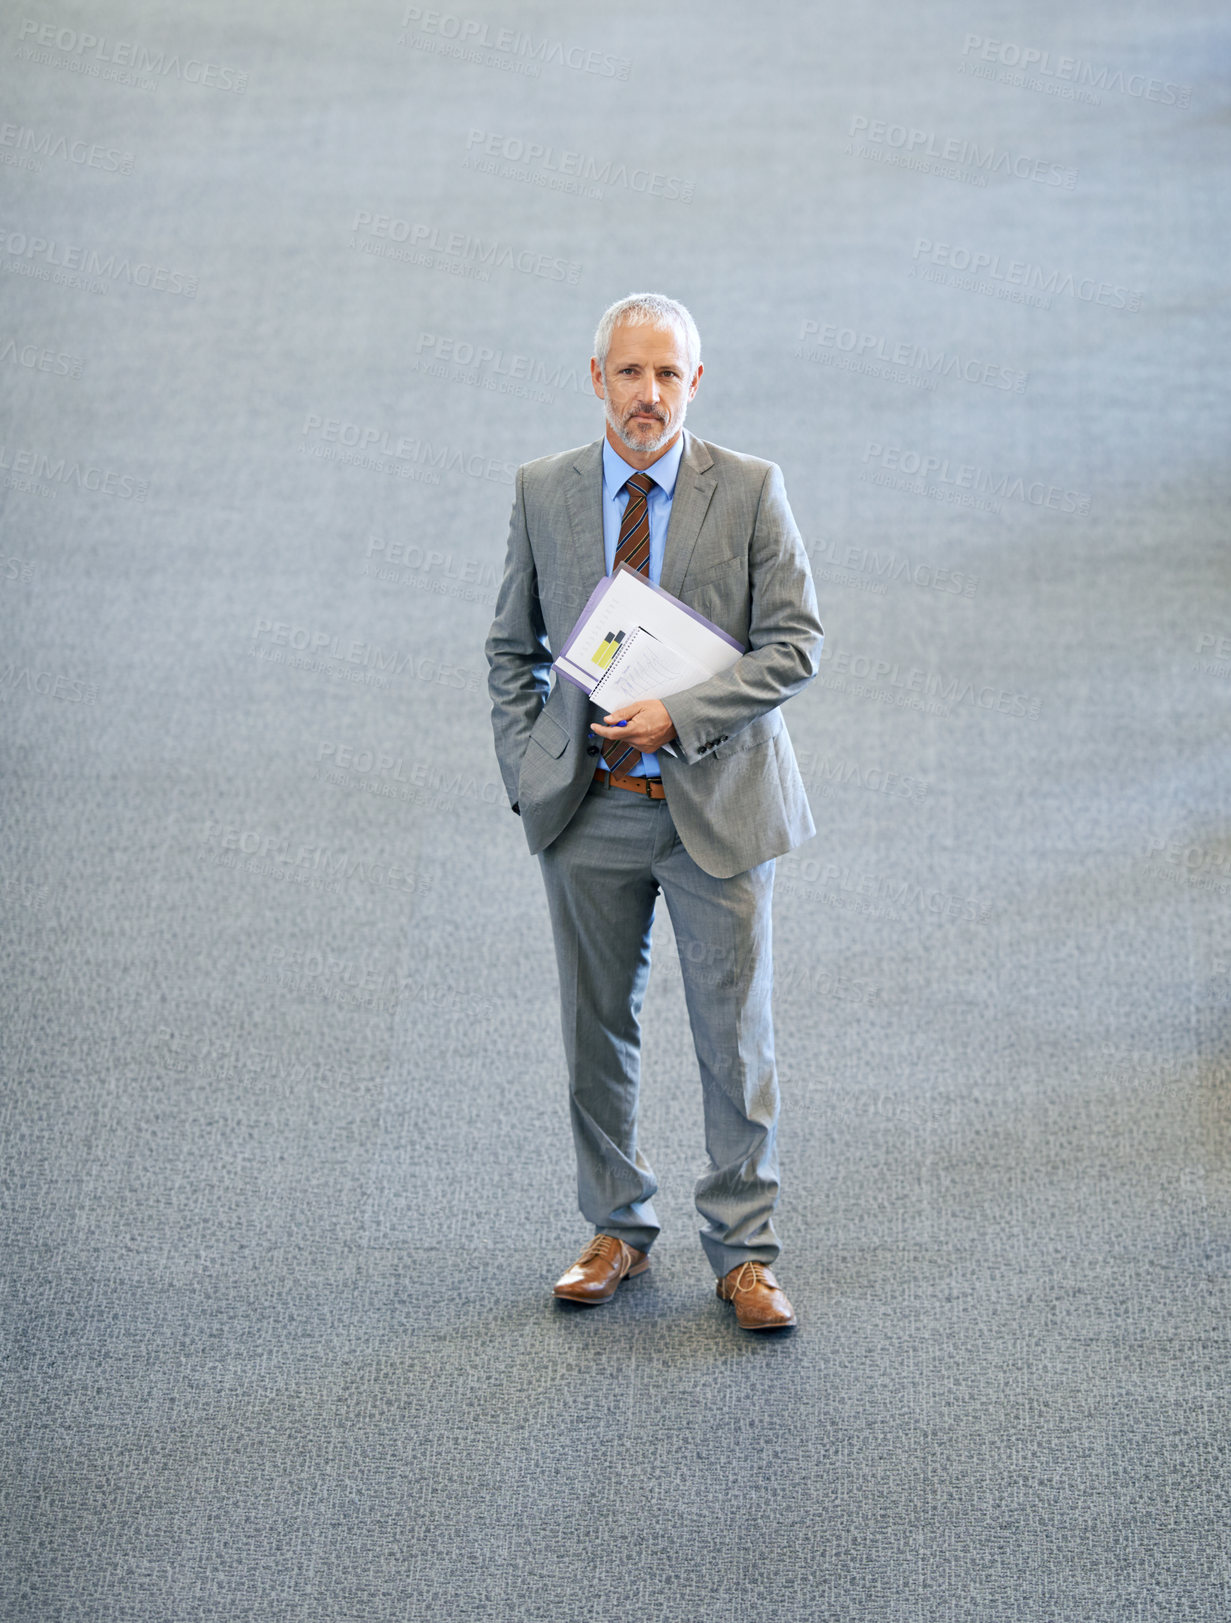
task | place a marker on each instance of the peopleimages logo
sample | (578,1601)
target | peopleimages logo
(24,138)
(823,770)
(547,160)
(397,769)
(51,684)
(351,659)
(937,363)
(366,444)
(1071,70)
(1217,650)
(282,856)
(1194,863)
(89,53)
(498,370)
(442,572)
(913,686)
(982,265)
(420,244)
(915,148)
(38,358)
(60,470)
(886,464)
(47,260)
(470,36)
(843,566)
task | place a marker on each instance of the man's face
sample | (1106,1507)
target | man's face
(645,387)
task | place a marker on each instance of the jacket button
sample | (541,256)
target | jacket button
(591,749)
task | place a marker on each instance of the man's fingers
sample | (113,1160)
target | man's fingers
(649,725)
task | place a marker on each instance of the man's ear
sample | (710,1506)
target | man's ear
(596,378)
(695,381)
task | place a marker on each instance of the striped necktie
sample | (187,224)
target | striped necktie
(633,549)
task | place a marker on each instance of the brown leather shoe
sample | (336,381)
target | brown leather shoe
(599,1269)
(758,1297)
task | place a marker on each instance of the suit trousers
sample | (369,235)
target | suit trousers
(603,874)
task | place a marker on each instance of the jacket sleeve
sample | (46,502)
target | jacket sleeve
(518,655)
(784,635)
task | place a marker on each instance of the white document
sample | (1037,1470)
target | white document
(639,642)
(645,668)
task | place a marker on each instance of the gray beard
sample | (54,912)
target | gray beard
(645,448)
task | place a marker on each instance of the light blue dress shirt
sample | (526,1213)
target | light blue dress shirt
(664,473)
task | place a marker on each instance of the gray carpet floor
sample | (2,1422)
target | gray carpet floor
(288,291)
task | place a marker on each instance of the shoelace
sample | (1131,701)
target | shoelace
(743,1283)
(597,1247)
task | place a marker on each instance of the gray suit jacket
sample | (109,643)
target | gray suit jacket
(734,554)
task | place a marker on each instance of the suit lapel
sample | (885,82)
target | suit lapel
(584,498)
(694,489)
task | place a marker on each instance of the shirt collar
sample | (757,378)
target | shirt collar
(664,472)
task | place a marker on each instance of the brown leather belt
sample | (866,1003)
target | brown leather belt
(648,788)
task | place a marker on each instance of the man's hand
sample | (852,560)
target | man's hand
(649,725)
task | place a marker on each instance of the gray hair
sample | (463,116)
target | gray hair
(648,310)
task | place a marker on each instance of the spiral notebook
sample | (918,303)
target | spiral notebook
(635,641)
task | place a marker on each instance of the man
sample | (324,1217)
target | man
(693,795)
